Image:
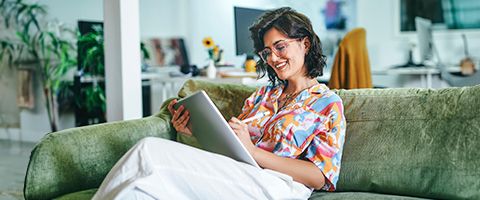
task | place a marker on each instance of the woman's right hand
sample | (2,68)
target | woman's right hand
(179,118)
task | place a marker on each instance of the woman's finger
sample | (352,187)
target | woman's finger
(233,125)
(170,106)
(185,119)
(234,119)
(236,122)
(177,113)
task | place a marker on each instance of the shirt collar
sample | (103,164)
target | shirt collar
(318,89)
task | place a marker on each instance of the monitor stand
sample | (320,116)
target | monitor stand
(409,63)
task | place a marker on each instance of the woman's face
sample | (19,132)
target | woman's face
(285,55)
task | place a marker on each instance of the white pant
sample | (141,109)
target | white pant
(156,168)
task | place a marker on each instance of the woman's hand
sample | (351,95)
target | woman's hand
(180,119)
(301,171)
(241,129)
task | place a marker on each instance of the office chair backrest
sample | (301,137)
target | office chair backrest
(458,80)
(351,67)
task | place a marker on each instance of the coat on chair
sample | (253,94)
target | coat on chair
(351,67)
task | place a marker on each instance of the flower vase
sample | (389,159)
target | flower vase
(211,70)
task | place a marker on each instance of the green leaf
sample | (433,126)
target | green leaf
(19,14)
(9,14)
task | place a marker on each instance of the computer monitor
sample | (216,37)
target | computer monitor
(435,10)
(244,18)
(425,39)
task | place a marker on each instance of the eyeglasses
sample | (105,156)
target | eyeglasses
(279,49)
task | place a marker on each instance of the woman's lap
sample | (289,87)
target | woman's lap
(165,169)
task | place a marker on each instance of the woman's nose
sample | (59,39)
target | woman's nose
(274,57)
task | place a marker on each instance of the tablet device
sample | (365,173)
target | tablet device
(212,130)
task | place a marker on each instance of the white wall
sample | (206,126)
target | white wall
(215,18)
(9,112)
(163,18)
(158,18)
(70,11)
(387,47)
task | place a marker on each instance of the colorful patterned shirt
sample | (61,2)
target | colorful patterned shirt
(311,127)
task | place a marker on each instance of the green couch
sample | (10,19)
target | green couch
(400,144)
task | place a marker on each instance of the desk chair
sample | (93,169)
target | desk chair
(459,80)
(351,66)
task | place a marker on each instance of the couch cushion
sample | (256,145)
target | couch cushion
(85,194)
(357,196)
(88,194)
(415,142)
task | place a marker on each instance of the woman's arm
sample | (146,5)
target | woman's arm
(302,171)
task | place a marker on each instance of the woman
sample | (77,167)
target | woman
(298,145)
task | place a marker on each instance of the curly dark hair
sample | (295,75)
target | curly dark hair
(294,25)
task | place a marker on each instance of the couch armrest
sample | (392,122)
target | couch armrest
(79,158)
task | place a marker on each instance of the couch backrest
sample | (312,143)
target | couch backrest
(414,142)
(228,98)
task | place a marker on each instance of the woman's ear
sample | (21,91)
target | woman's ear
(306,44)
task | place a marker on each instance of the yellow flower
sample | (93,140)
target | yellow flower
(208,42)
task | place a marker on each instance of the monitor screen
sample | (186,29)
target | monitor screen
(85,27)
(424,34)
(444,14)
(244,18)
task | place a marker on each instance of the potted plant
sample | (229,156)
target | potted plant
(45,48)
(91,99)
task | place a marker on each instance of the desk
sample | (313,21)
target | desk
(426,73)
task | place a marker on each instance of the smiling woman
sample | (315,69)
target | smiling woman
(298,146)
(288,29)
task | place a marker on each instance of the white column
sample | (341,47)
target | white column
(122,59)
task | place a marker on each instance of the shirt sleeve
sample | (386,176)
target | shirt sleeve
(326,146)
(249,103)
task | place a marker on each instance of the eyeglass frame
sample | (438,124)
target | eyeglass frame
(275,50)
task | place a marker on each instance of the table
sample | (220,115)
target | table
(426,73)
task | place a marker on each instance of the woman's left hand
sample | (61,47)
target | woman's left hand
(241,129)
